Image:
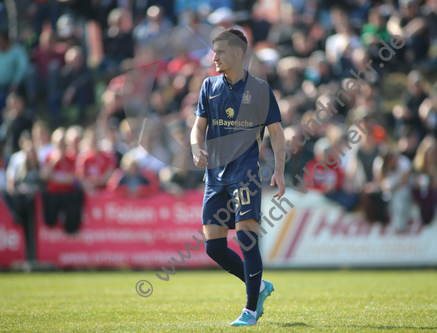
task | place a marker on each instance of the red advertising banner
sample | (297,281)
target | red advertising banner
(128,232)
(12,243)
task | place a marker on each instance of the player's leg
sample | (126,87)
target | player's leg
(253,263)
(247,207)
(216,232)
(247,224)
(247,234)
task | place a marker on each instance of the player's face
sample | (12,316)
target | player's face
(225,56)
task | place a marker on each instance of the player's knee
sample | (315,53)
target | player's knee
(216,248)
(248,240)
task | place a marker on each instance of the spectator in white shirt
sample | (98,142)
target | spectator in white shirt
(392,170)
(41,141)
(16,162)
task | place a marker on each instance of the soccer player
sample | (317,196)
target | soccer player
(233,110)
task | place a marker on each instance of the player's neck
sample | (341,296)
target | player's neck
(234,77)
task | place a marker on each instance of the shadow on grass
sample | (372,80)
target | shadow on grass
(363,326)
(292,324)
(394,327)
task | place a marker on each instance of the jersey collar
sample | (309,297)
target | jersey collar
(236,85)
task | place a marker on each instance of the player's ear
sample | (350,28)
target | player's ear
(238,52)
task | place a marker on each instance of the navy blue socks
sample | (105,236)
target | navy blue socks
(250,271)
(248,242)
(227,258)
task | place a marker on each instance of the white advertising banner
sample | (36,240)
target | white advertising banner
(318,233)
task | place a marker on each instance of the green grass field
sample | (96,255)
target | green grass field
(207,301)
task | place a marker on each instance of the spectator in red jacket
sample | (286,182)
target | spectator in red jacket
(129,181)
(94,167)
(332,180)
(328,176)
(61,193)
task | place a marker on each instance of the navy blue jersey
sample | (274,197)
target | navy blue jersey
(237,116)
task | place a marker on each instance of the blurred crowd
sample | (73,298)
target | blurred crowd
(64,131)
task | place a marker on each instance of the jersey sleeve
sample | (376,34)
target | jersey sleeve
(202,105)
(274,114)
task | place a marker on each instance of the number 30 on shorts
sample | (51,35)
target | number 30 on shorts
(243,196)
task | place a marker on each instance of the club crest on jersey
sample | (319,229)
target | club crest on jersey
(247,97)
(230,112)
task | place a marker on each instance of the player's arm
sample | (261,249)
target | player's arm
(278,144)
(197,141)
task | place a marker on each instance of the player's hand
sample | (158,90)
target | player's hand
(199,158)
(278,179)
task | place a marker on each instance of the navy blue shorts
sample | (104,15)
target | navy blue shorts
(225,205)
